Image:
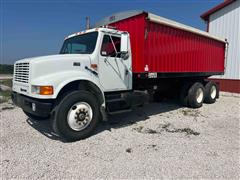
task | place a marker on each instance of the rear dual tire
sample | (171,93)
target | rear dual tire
(194,94)
(212,92)
(184,93)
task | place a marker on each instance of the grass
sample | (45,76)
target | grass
(7,82)
(6,95)
(6,69)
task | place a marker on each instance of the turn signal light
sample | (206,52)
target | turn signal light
(94,66)
(46,90)
(42,90)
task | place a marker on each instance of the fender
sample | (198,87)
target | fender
(60,79)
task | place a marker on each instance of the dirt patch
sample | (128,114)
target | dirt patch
(191,112)
(129,150)
(6,106)
(168,127)
(195,113)
(141,129)
(171,129)
(152,146)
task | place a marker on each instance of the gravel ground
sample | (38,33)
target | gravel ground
(160,140)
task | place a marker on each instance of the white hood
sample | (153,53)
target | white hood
(46,65)
(53,57)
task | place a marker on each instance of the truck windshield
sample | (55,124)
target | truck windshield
(82,44)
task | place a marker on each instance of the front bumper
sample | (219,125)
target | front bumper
(41,108)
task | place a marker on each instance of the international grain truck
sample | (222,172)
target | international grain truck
(105,70)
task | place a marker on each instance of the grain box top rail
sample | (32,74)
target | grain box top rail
(156,19)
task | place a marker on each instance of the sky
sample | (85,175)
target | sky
(31,28)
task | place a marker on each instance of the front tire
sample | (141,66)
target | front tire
(76,115)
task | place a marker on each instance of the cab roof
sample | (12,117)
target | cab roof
(102,29)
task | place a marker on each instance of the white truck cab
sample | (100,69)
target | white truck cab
(90,64)
(89,55)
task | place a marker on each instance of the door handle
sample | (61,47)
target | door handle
(126,72)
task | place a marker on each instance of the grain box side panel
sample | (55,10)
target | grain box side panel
(171,50)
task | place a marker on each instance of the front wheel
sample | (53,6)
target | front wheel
(77,115)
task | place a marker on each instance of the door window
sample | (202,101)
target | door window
(111,46)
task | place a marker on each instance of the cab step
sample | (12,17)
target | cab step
(112,96)
(118,105)
(120,112)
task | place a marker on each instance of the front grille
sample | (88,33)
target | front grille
(21,72)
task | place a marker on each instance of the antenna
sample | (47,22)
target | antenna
(87,22)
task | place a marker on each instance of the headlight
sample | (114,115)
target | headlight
(42,90)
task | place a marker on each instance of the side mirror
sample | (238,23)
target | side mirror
(124,43)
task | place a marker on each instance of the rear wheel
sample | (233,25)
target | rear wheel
(184,94)
(212,92)
(76,115)
(196,95)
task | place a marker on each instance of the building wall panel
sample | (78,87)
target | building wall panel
(225,23)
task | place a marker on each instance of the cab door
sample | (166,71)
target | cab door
(114,71)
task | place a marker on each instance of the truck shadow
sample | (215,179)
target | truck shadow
(44,127)
(114,122)
(139,114)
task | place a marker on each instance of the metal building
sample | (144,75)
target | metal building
(224,21)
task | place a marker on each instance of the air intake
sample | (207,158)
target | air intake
(21,72)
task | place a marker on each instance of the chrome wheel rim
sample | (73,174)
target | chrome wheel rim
(213,92)
(79,116)
(199,95)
